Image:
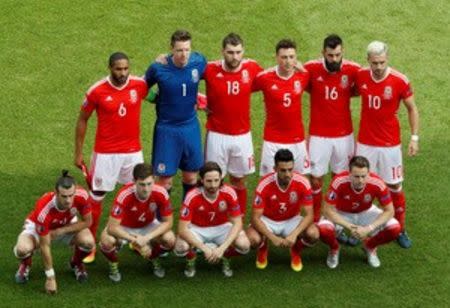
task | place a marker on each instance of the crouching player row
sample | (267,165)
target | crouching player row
(349,205)
(63,215)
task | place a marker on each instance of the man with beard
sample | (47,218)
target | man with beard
(276,216)
(331,140)
(210,222)
(382,88)
(117,101)
(228,91)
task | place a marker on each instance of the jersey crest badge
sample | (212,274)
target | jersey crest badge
(185,212)
(245,76)
(195,76)
(293,197)
(98,181)
(367,198)
(161,167)
(133,96)
(332,196)
(297,87)
(344,81)
(222,206)
(258,200)
(387,93)
(73,211)
(152,206)
(117,210)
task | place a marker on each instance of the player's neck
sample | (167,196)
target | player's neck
(210,196)
(284,73)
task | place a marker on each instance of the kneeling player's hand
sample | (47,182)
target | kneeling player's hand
(278,241)
(50,285)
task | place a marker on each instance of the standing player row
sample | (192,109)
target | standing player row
(331,81)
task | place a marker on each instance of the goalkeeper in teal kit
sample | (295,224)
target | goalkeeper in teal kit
(177,138)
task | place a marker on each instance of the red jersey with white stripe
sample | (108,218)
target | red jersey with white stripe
(330,94)
(136,213)
(379,125)
(283,102)
(47,216)
(279,204)
(203,212)
(228,96)
(118,114)
(342,195)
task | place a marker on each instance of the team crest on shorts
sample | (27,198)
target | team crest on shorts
(152,206)
(387,93)
(161,167)
(133,96)
(245,76)
(367,198)
(98,181)
(195,76)
(293,197)
(222,206)
(297,87)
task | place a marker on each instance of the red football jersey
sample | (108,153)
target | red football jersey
(118,114)
(47,216)
(228,95)
(203,212)
(283,102)
(135,213)
(330,95)
(278,204)
(346,199)
(379,125)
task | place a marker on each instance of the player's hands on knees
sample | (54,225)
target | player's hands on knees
(50,285)
(208,253)
(362,232)
(141,241)
(278,241)
(290,240)
(353,229)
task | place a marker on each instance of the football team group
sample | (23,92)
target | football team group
(363,205)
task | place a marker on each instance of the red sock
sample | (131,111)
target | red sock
(384,236)
(79,255)
(96,206)
(191,254)
(27,261)
(317,200)
(110,254)
(242,199)
(231,252)
(399,201)
(156,251)
(298,246)
(327,235)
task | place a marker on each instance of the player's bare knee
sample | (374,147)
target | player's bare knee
(181,247)
(254,238)
(312,233)
(189,177)
(22,251)
(242,244)
(168,240)
(238,182)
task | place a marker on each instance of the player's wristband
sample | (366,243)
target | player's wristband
(50,273)
(415,138)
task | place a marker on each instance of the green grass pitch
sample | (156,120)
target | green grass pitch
(52,51)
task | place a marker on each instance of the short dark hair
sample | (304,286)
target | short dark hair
(116,57)
(285,44)
(232,39)
(332,41)
(359,162)
(65,181)
(180,36)
(142,171)
(283,155)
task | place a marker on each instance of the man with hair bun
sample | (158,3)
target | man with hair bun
(382,88)
(63,215)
